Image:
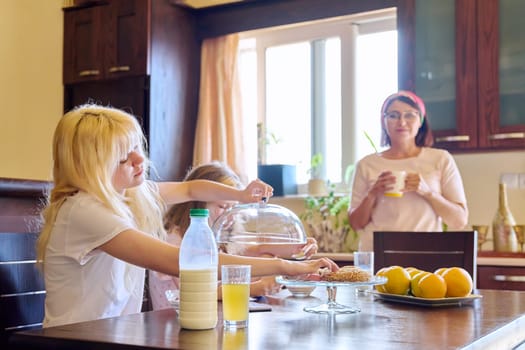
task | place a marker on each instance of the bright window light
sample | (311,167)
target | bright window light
(318,88)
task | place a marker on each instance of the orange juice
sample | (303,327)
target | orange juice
(235,300)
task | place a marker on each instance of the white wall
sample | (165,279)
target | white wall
(31,92)
(481,175)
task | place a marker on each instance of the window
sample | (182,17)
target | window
(317,88)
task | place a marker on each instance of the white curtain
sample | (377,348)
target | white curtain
(219,132)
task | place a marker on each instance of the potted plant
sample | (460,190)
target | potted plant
(326,219)
(316,185)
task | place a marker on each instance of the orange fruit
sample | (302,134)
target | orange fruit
(414,288)
(398,280)
(459,282)
(381,271)
(381,287)
(440,271)
(432,286)
(412,271)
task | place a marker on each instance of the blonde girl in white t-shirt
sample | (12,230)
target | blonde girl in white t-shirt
(103,221)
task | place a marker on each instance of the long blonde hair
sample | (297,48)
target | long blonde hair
(88,144)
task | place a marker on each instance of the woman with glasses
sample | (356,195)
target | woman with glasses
(433,195)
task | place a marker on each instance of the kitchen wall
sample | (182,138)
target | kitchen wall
(31,97)
(31,89)
(481,175)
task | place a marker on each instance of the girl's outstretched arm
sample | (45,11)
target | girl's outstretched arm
(139,248)
(211,191)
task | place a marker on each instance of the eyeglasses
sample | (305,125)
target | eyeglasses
(408,116)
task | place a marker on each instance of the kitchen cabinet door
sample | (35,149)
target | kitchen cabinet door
(83,57)
(458,52)
(126,48)
(105,41)
(445,76)
(501,62)
(501,277)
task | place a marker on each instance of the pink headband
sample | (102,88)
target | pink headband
(410,95)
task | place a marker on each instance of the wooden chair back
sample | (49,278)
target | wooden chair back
(22,291)
(426,250)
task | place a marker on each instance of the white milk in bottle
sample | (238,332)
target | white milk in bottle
(198,262)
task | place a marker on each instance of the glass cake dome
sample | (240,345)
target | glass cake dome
(260,229)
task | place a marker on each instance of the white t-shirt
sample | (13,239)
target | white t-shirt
(82,282)
(410,212)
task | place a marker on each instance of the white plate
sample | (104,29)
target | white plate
(434,302)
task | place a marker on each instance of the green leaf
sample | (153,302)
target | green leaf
(371,141)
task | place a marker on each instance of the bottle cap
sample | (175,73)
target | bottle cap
(199,212)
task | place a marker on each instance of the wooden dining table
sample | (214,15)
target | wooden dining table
(495,321)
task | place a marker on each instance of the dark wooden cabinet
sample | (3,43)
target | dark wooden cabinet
(501,74)
(127,46)
(452,54)
(142,56)
(107,40)
(501,277)
(82,49)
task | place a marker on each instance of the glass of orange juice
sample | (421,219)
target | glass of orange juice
(235,295)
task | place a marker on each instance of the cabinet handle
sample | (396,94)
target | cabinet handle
(119,69)
(510,135)
(505,278)
(458,138)
(89,72)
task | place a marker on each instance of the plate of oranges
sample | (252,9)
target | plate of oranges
(445,286)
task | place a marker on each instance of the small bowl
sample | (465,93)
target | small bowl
(301,291)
